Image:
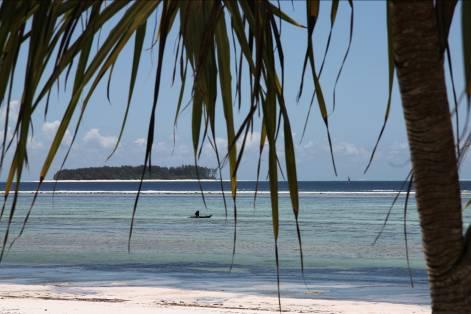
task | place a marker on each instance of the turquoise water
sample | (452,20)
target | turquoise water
(84,232)
(336,231)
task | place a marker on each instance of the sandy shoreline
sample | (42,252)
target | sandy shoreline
(16,299)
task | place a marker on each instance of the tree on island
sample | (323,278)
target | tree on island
(135,172)
(418,31)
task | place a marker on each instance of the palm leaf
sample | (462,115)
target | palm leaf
(58,48)
(350,38)
(165,25)
(139,42)
(466,35)
(391,68)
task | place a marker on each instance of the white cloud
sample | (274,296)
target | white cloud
(309,150)
(93,136)
(14,110)
(399,147)
(12,118)
(50,129)
(140,141)
(398,154)
(308,145)
(221,143)
(349,149)
(253,140)
(34,143)
(179,149)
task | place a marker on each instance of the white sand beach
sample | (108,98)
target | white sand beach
(61,299)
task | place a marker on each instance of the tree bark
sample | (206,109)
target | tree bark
(419,63)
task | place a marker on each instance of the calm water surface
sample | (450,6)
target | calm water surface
(80,234)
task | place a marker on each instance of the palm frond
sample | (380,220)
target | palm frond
(391,68)
(60,37)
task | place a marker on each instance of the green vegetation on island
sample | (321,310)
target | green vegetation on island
(135,172)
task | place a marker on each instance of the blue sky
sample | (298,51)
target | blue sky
(355,124)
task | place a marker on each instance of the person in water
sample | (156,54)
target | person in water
(197,214)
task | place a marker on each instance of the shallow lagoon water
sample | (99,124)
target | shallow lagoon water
(80,234)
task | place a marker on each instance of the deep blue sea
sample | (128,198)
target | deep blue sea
(78,232)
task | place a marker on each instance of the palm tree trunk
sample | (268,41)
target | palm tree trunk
(419,64)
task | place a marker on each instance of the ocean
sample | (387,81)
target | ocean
(78,233)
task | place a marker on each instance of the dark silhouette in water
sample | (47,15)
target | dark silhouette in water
(197,215)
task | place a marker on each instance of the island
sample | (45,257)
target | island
(135,172)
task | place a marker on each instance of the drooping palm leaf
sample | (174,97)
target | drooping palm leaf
(350,39)
(59,37)
(406,243)
(466,35)
(391,69)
